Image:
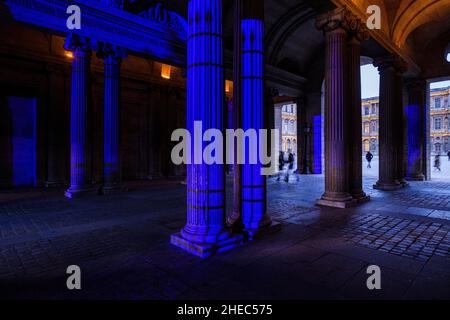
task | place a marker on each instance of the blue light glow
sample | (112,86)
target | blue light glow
(317,145)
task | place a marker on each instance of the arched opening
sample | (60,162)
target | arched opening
(439,129)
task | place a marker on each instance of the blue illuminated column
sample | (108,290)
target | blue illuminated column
(80,171)
(205,231)
(112,56)
(336,26)
(415,116)
(253,184)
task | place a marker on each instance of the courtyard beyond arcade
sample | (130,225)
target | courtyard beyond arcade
(122,245)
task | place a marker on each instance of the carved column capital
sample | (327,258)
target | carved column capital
(111,53)
(79,44)
(391,61)
(337,19)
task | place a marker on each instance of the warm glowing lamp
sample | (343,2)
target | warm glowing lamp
(68,54)
(165,71)
(228,86)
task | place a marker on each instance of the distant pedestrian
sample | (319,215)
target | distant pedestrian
(369,158)
(448,155)
(437,163)
(290,167)
(280,164)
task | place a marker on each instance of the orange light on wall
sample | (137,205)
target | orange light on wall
(68,54)
(228,86)
(165,71)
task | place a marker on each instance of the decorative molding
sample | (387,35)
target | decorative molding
(105,21)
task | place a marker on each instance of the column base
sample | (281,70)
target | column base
(204,250)
(404,183)
(112,189)
(361,198)
(419,177)
(74,193)
(390,186)
(54,184)
(252,234)
(340,200)
(341,204)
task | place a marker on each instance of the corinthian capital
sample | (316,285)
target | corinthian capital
(339,18)
(111,52)
(393,61)
(75,42)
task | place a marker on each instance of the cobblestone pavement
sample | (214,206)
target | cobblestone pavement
(122,245)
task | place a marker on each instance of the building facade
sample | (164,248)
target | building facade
(370,125)
(289,128)
(439,122)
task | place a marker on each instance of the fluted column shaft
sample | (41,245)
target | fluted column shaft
(355,123)
(387,125)
(400,126)
(111,139)
(80,171)
(415,115)
(336,26)
(204,230)
(336,183)
(253,186)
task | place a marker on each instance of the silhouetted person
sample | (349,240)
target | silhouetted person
(290,166)
(448,155)
(280,164)
(437,163)
(369,158)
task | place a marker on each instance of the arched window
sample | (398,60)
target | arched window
(366,146)
(437,148)
(289,144)
(366,127)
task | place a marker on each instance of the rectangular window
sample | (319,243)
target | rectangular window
(366,111)
(438,124)
(437,103)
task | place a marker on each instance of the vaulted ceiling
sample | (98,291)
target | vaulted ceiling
(419,30)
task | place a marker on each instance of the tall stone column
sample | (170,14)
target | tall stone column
(205,231)
(112,57)
(415,116)
(253,183)
(354,115)
(387,67)
(80,166)
(302,137)
(400,126)
(336,25)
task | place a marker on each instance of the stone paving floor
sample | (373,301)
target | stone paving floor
(122,245)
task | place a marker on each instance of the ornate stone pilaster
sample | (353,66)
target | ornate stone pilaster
(112,57)
(205,231)
(336,26)
(387,67)
(415,116)
(354,113)
(56,143)
(6,146)
(80,166)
